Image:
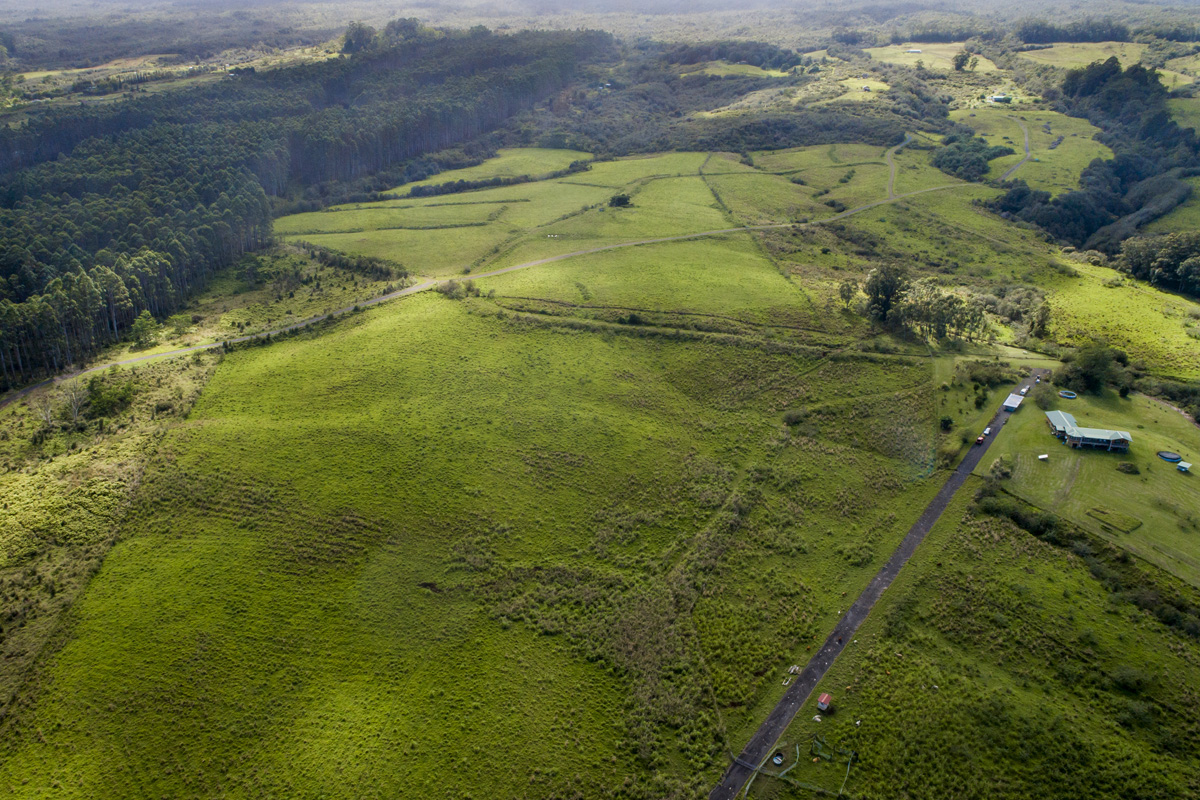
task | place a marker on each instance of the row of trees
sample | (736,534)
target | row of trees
(109,211)
(895,300)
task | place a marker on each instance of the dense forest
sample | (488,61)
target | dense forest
(110,210)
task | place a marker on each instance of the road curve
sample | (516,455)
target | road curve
(430,284)
(759,748)
(1008,173)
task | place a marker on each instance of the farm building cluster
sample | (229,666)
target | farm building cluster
(1064,426)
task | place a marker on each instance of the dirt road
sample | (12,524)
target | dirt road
(1008,173)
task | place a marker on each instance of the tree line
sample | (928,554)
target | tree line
(109,211)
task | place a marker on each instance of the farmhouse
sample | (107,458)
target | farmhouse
(1013,402)
(1063,426)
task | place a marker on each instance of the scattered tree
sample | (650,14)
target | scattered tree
(960,60)
(847,291)
(76,396)
(143,330)
(619,200)
(884,287)
(45,408)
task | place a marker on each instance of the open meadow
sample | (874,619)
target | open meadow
(342,560)
(446,534)
(931,55)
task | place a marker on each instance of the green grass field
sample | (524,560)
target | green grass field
(330,581)
(722,68)
(997,666)
(933,56)
(564,537)
(1184,217)
(508,163)
(1069,55)
(1053,170)
(1164,503)
(1150,324)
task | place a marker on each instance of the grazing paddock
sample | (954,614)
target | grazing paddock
(1184,217)
(1148,323)
(722,68)
(386,537)
(937,56)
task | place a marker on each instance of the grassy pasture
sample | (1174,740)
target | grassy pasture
(722,68)
(353,219)
(933,56)
(1069,55)
(1184,217)
(509,163)
(1186,111)
(1054,170)
(1078,483)
(797,159)
(1148,323)
(328,585)
(754,198)
(727,276)
(914,172)
(987,668)
(500,214)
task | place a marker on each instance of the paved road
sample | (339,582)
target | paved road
(763,741)
(1022,162)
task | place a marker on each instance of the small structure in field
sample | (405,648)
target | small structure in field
(1064,426)
(912,50)
(825,701)
(1183,466)
(1013,402)
(1044,457)
(1001,98)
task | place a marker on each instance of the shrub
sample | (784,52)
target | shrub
(1129,468)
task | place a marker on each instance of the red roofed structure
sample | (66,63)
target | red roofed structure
(824,701)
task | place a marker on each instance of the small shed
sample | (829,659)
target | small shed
(824,702)
(912,50)
(1183,466)
(1013,402)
